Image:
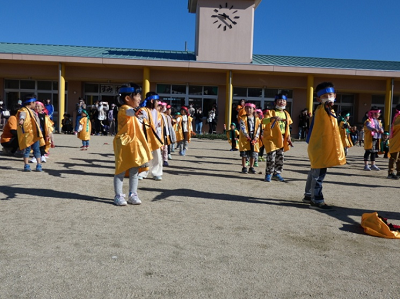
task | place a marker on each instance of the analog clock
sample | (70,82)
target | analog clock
(225,16)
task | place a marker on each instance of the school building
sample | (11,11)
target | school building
(221,70)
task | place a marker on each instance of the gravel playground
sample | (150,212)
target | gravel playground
(205,231)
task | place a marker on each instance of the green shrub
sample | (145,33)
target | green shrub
(211,136)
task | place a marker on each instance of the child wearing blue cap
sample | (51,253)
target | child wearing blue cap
(325,147)
(29,134)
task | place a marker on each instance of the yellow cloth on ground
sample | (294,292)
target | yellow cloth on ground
(373,225)
(29,132)
(130,146)
(273,138)
(394,141)
(325,148)
(86,130)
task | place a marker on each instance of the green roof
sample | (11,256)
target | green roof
(126,53)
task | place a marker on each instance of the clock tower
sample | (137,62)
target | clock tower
(224,29)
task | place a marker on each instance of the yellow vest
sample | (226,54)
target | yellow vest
(273,138)
(179,129)
(86,129)
(131,148)
(368,136)
(29,132)
(394,141)
(149,130)
(244,144)
(346,140)
(325,147)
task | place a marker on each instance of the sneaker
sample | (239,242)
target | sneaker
(140,177)
(392,176)
(33,160)
(169,157)
(366,167)
(307,199)
(165,163)
(268,178)
(181,153)
(43,159)
(320,206)
(252,170)
(244,169)
(134,199)
(255,164)
(39,167)
(119,200)
(158,178)
(184,152)
(27,167)
(278,177)
(374,167)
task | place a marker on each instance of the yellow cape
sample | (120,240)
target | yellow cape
(29,132)
(273,138)
(130,146)
(325,148)
(394,141)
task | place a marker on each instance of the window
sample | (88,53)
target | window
(25,84)
(183,95)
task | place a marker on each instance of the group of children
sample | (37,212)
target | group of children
(29,128)
(147,131)
(328,139)
(260,131)
(142,145)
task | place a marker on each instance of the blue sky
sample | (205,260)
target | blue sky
(355,29)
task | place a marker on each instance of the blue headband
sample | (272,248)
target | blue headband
(325,90)
(283,97)
(29,100)
(153,97)
(128,90)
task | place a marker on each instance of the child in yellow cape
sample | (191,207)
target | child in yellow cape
(29,133)
(276,138)
(130,146)
(394,146)
(84,130)
(233,137)
(325,147)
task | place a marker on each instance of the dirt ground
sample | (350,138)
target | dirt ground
(204,231)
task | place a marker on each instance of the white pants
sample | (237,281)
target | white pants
(155,165)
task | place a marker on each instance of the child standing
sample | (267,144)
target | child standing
(183,130)
(325,148)
(372,131)
(276,138)
(394,148)
(361,137)
(84,130)
(249,136)
(233,137)
(29,134)
(130,146)
(344,129)
(385,145)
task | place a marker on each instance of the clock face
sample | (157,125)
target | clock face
(225,16)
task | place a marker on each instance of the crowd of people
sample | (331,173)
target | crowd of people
(145,133)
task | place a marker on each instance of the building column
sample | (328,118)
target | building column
(388,103)
(61,94)
(228,99)
(310,92)
(146,82)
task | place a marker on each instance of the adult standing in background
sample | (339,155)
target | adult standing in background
(199,121)
(111,119)
(50,108)
(102,108)
(211,119)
